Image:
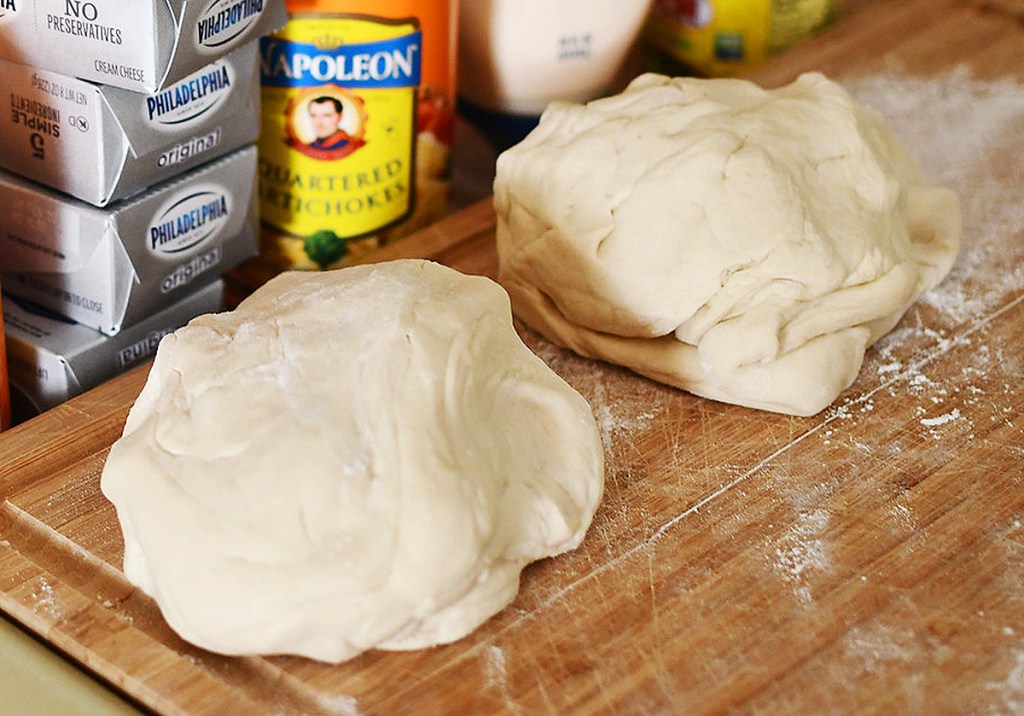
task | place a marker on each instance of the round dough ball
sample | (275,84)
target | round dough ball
(746,245)
(354,459)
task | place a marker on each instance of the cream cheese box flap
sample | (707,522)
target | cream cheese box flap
(101,144)
(52,359)
(109,268)
(140,45)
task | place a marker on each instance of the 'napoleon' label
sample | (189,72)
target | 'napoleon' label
(390,63)
(339,128)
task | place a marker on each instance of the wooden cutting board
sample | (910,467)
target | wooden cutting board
(868,559)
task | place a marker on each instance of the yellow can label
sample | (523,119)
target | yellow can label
(338,136)
(718,38)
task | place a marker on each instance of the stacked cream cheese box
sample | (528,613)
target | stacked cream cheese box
(127,178)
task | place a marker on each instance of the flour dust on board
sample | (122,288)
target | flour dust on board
(357,117)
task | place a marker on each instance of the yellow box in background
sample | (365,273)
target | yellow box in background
(722,38)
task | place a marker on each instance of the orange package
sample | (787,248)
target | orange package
(358,112)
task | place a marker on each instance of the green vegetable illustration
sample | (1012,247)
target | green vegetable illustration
(324,247)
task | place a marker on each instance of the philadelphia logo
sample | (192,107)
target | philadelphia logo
(188,222)
(193,97)
(8,10)
(224,21)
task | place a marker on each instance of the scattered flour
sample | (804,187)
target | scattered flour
(874,646)
(793,560)
(1011,690)
(496,674)
(341,705)
(985,120)
(967,134)
(495,667)
(904,517)
(949,417)
(46,599)
(612,420)
(619,415)
(802,550)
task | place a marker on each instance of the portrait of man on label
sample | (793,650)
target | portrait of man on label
(326,123)
(325,117)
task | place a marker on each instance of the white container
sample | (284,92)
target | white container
(517,56)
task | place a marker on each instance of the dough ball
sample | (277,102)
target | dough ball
(743,244)
(354,459)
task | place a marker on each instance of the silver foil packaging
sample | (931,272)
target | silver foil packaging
(52,359)
(109,268)
(143,45)
(101,144)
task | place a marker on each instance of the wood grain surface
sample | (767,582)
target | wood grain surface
(869,559)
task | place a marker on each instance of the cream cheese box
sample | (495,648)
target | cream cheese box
(51,359)
(100,143)
(141,45)
(109,268)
